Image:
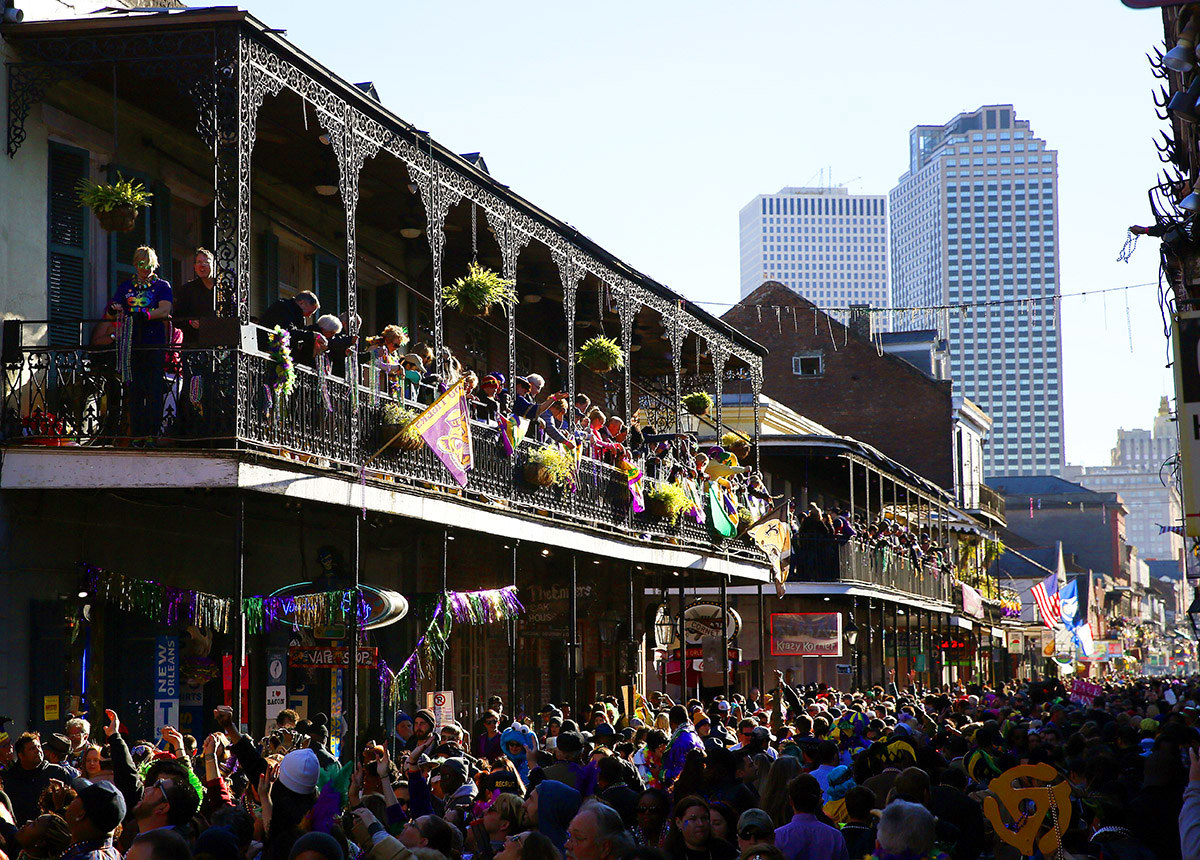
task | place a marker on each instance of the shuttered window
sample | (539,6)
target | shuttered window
(329,275)
(67,267)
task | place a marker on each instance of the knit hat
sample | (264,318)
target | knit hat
(427,715)
(403,718)
(103,804)
(841,780)
(299,771)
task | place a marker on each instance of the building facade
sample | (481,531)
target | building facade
(826,244)
(974,220)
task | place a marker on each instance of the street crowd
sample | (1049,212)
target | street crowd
(792,774)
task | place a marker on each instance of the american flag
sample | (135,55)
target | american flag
(1045,593)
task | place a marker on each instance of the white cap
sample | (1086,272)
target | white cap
(299,771)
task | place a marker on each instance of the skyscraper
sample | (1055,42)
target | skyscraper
(826,244)
(975,220)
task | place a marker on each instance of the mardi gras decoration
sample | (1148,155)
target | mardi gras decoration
(1019,815)
(279,386)
(488,606)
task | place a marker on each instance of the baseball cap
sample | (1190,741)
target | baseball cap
(754,823)
(103,804)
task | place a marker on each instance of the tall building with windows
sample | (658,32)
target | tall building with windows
(975,220)
(826,244)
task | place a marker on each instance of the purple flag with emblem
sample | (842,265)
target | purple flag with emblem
(446,428)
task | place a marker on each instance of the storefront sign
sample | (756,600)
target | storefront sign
(845,668)
(1047,644)
(337,725)
(191,709)
(166,682)
(442,705)
(1015,642)
(1114,648)
(806,634)
(320,657)
(1185,337)
(50,709)
(703,618)
(972,601)
(547,607)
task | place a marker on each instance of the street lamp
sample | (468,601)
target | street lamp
(851,630)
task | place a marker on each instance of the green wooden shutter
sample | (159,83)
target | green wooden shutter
(329,276)
(270,258)
(67,241)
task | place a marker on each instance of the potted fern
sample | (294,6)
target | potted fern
(667,501)
(116,204)
(396,428)
(548,466)
(601,354)
(478,290)
(737,443)
(697,403)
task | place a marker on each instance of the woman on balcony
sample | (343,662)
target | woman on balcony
(142,305)
(386,356)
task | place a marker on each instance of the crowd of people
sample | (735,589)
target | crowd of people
(794,774)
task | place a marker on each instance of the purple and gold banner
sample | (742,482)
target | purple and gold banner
(446,428)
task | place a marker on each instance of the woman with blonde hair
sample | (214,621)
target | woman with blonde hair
(142,307)
(387,350)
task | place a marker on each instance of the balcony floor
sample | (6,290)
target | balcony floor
(47,468)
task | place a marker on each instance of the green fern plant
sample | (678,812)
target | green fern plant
(477,291)
(697,402)
(601,354)
(105,197)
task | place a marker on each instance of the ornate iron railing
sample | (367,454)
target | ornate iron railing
(827,559)
(223,398)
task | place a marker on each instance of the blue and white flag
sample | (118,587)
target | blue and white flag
(1082,634)
(1068,596)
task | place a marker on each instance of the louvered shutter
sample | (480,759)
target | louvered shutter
(67,241)
(329,276)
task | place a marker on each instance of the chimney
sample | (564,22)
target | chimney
(860,320)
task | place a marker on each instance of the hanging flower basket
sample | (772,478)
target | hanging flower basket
(116,204)
(697,403)
(601,354)
(121,219)
(475,293)
(396,430)
(547,467)
(667,502)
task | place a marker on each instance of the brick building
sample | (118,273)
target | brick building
(838,377)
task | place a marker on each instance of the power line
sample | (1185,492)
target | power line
(954,307)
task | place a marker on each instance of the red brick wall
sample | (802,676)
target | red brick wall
(880,400)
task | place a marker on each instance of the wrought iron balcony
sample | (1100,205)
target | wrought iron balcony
(827,559)
(991,501)
(217,399)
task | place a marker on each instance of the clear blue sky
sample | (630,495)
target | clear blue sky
(649,125)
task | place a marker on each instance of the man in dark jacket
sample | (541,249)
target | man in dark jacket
(28,776)
(613,789)
(289,315)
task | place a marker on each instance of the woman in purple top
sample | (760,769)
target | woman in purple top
(143,303)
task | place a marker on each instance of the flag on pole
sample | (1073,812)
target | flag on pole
(718,520)
(446,428)
(773,535)
(1082,633)
(512,431)
(1031,507)
(1068,601)
(1045,594)
(633,475)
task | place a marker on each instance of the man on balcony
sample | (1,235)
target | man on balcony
(289,315)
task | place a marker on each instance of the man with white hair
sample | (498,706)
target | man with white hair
(905,830)
(597,833)
(78,731)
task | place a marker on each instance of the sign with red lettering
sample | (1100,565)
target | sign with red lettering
(322,657)
(806,634)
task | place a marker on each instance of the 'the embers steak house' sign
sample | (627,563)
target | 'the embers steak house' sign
(320,657)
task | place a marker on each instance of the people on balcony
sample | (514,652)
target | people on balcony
(290,314)
(485,405)
(194,300)
(315,344)
(142,308)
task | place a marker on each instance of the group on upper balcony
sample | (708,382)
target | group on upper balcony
(884,535)
(148,326)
